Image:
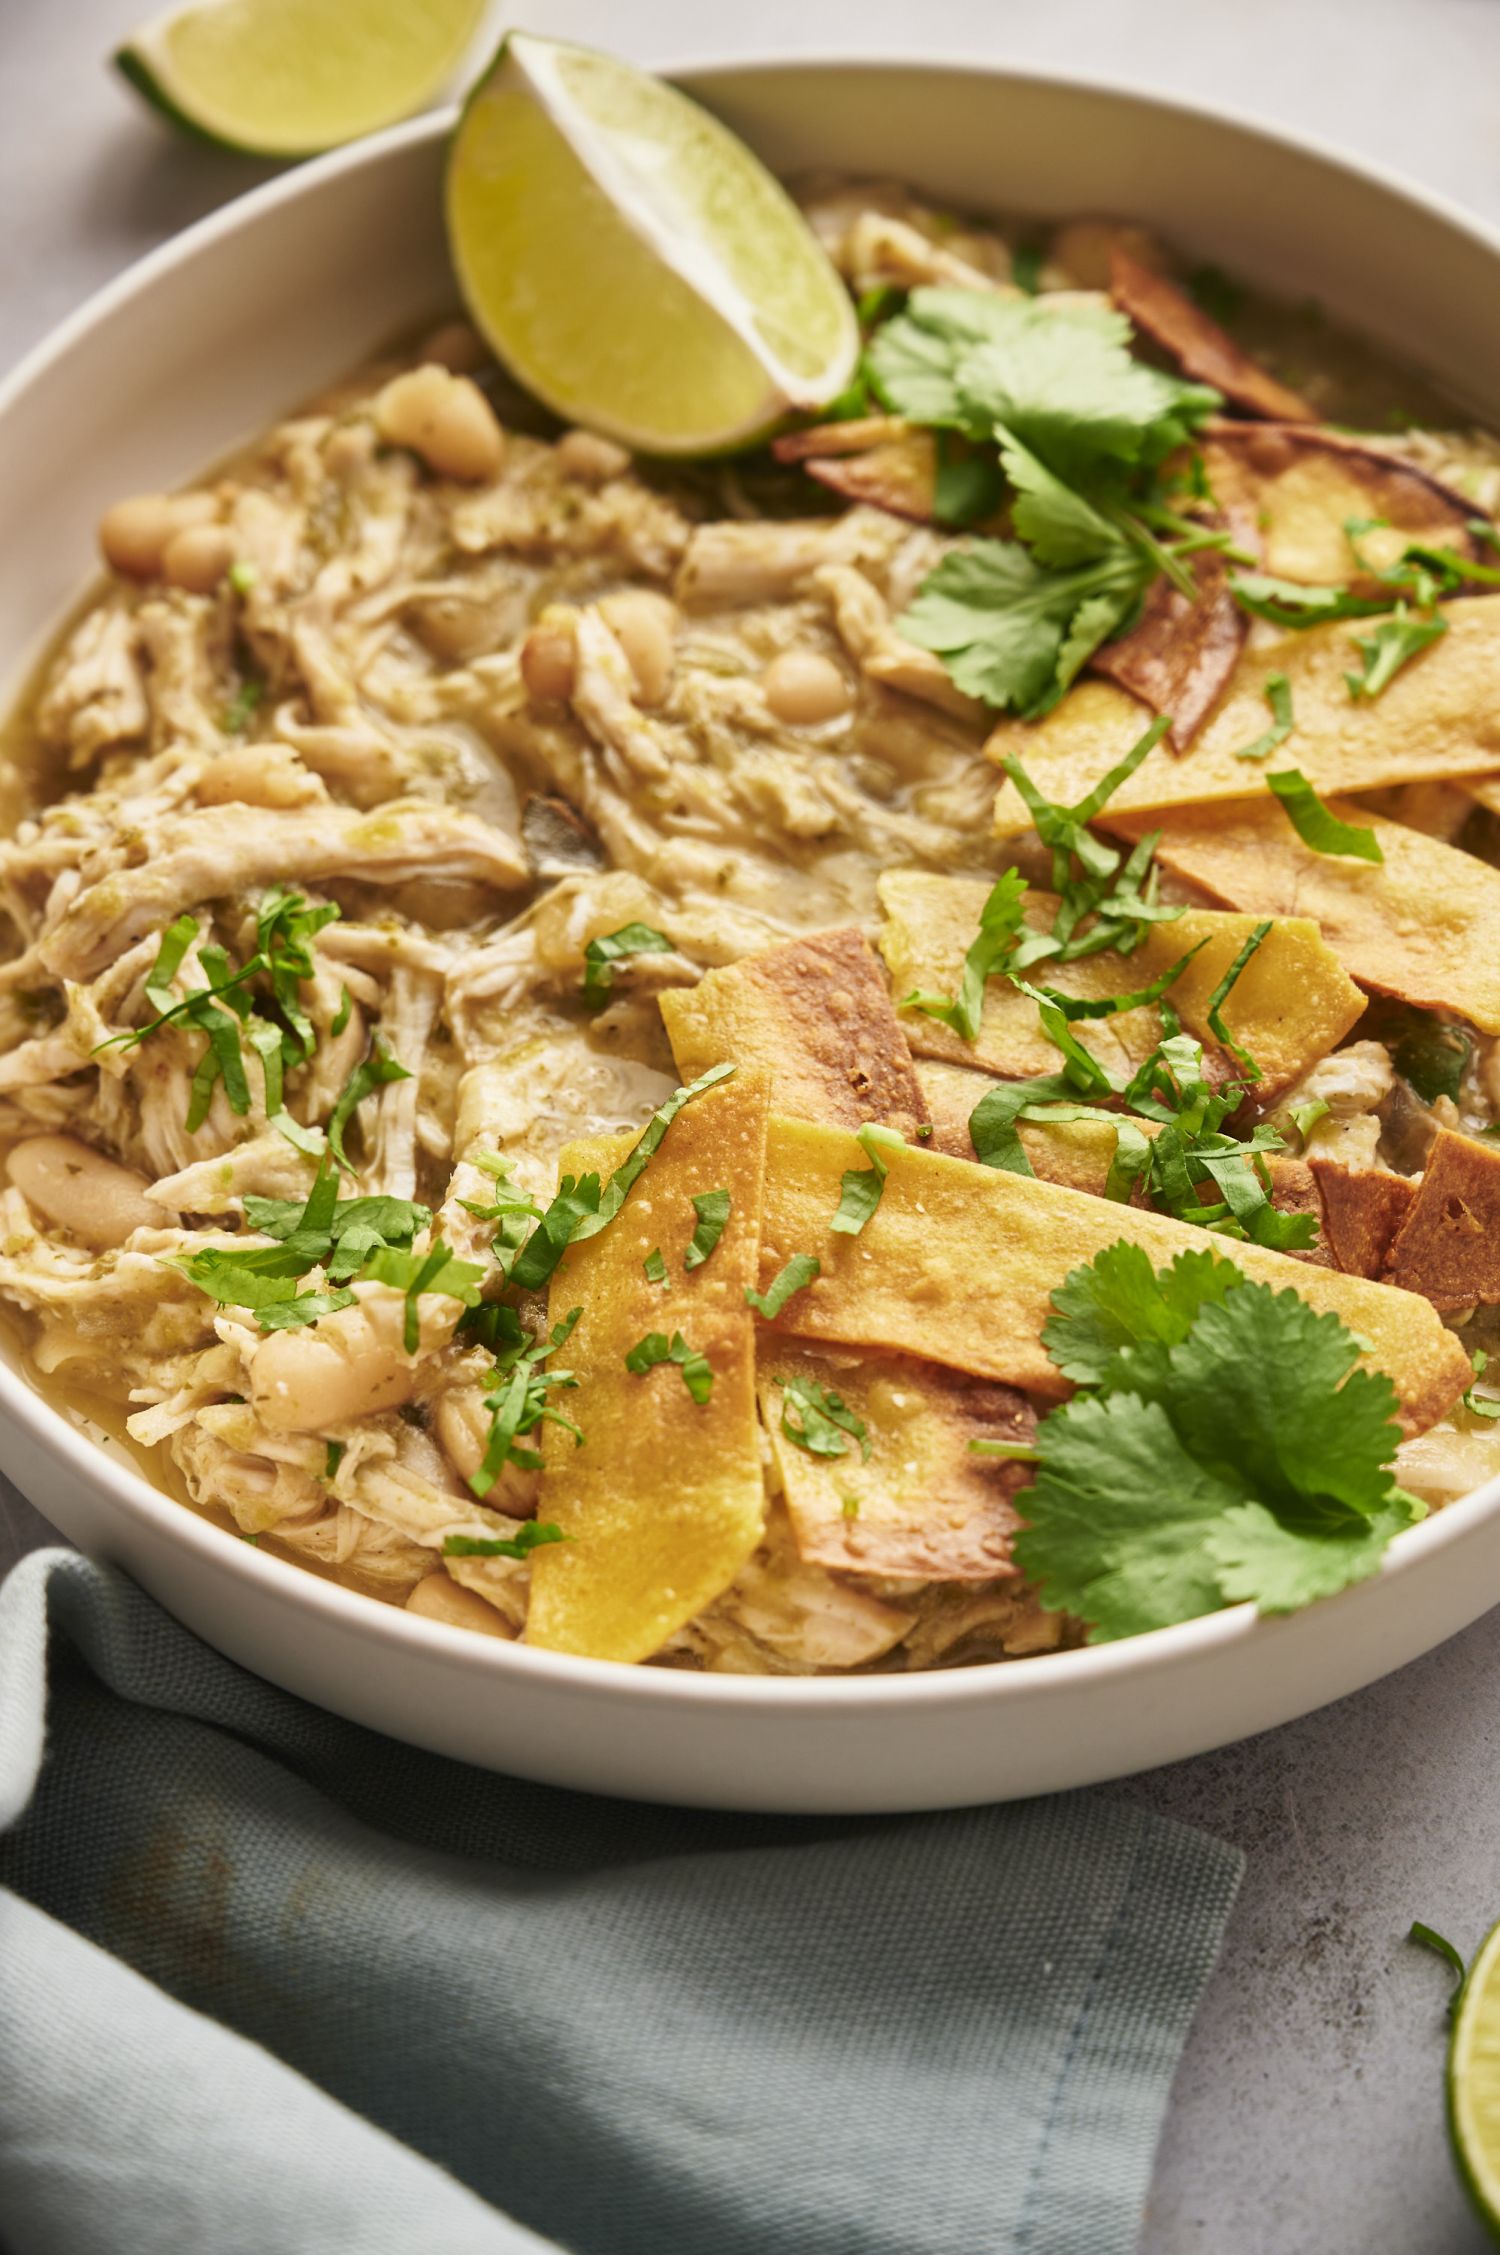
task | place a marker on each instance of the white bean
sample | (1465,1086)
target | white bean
(197,558)
(134,534)
(803,688)
(353,1364)
(643,623)
(81,1191)
(548,661)
(438,1597)
(444,418)
(590,459)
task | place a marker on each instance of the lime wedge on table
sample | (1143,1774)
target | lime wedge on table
(284,78)
(1474,2080)
(630,260)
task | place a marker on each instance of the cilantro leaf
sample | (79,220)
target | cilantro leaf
(1292,603)
(992,1123)
(794,1275)
(655,1266)
(656,1347)
(582,1208)
(819,1420)
(1278,695)
(439,1270)
(1430,1055)
(1388,647)
(861,1187)
(1315,825)
(1001,622)
(602,954)
(374,1072)
(712,1210)
(1229,1449)
(529,1536)
(1001,921)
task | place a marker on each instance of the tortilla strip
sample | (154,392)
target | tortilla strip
(1302,487)
(925,1506)
(1423,925)
(959,1262)
(1448,1247)
(1363,1207)
(1290,1005)
(1077,1153)
(879,459)
(1439,717)
(666,1501)
(1181,652)
(1168,316)
(816,1015)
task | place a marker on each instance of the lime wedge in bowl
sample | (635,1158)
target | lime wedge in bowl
(286,78)
(630,260)
(1474,2080)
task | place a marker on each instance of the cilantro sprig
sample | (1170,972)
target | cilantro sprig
(1223,1447)
(257,1003)
(1080,429)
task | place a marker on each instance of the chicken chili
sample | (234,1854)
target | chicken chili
(874,1055)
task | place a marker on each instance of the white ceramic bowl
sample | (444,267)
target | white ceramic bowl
(205,343)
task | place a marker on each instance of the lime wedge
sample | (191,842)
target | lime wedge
(1474,2080)
(630,260)
(285,78)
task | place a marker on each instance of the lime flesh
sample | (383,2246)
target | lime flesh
(631,261)
(1474,2081)
(285,78)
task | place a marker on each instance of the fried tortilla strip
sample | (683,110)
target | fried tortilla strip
(1301,488)
(1168,316)
(1439,717)
(1077,1153)
(666,1501)
(1423,925)
(1180,654)
(1363,1207)
(922,1505)
(958,1265)
(879,459)
(816,1015)
(1448,1247)
(1290,1005)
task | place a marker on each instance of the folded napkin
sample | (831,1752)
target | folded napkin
(273,1985)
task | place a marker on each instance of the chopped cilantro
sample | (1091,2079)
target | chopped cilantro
(438,1270)
(243,705)
(333,1457)
(1292,603)
(1278,695)
(1389,645)
(712,1210)
(1430,1055)
(517,1402)
(793,1276)
(849,1507)
(861,1187)
(243,575)
(656,1347)
(1482,1405)
(1026,263)
(819,1420)
(1305,1117)
(602,954)
(583,1207)
(655,1266)
(1220,996)
(1000,926)
(1224,1448)
(1317,827)
(374,1072)
(529,1536)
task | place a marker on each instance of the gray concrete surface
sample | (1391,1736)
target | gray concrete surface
(1307,2118)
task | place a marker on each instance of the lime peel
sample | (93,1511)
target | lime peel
(631,261)
(288,78)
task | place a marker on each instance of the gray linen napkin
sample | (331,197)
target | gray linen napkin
(273,1985)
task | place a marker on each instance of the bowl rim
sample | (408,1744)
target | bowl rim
(1163,1650)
